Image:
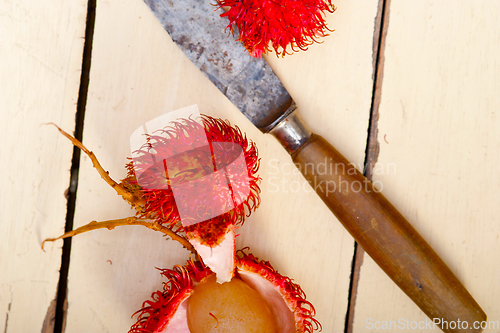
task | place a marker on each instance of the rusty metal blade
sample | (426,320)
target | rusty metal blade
(249,83)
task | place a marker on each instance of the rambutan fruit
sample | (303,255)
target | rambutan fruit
(277,24)
(191,180)
(202,185)
(258,299)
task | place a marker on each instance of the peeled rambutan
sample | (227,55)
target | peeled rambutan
(277,24)
(258,299)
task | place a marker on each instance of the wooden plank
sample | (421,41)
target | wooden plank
(137,74)
(41,51)
(439,151)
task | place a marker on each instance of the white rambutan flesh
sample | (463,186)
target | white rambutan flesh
(220,257)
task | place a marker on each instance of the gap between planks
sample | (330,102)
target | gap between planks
(59,317)
(372,145)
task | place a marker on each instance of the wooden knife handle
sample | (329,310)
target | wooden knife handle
(387,236)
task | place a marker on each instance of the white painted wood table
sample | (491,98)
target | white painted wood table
(438,100)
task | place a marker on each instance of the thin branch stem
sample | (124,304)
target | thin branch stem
(134,200)
(111,224)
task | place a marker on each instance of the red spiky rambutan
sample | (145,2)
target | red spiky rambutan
(258,297)
(189,154)
(277,24)
(178,142)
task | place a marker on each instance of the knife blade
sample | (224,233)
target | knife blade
(251,85)
(198,30)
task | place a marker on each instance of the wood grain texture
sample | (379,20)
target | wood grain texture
(138,73)
(41,54)
(439,150)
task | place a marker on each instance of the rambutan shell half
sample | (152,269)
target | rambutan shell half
(167,312)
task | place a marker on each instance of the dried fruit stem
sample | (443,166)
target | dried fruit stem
(134,200)
(111,224)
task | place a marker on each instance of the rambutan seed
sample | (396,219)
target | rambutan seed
(229,307)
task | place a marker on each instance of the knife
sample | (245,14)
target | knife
(251,85)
